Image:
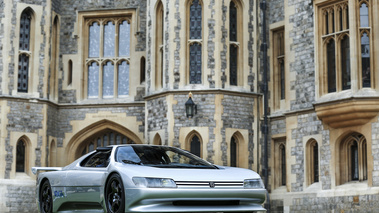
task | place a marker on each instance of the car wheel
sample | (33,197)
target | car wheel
(114,194)
(46,198)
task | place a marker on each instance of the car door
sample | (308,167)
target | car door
(85,182)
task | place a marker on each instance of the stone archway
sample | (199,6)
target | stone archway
(75,147)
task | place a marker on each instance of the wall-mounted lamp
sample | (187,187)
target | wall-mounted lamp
(191,108)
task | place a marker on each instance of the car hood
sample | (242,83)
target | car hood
(185,174)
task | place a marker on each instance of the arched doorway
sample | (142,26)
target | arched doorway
(87,139)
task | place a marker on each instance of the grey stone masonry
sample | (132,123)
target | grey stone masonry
(204,118)
(2,16)
(23,117)
(157,115)
(375,153)
(20,197)
(347,204)
(276,10)
(308,124)
(303,48)
(326,156)
(238,114)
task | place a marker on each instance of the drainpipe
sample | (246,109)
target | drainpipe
(263,6)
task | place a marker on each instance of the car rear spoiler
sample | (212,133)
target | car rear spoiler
(36,169)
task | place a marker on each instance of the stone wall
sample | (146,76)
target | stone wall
(23,117)
(308,124)
(18,196)
(238,113)
(361,203)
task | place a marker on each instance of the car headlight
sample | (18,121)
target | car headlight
(253,184)
(143,182)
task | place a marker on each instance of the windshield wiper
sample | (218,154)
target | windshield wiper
(132,162)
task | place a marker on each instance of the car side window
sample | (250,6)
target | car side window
(99,159)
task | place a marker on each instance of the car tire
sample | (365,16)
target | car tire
(114,194)
(46,198)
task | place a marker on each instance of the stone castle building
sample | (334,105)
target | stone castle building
(76,75)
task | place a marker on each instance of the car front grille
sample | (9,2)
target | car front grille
(209,184)
(207,203)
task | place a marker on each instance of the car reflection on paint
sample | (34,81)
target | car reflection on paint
(145,178)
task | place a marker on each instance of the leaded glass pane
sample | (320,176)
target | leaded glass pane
(25,30)
(94,40)
(91,147)
(109,39)
(111,140)
(365,52)
(315,163)
(364,15)
(99,142)
(326,23)
(23,73)
(233,152)
(93,80)
(108,80)
(20,156)
(118,140)
(283,163)
(195,146)
(282,80)
(331,66)
(233,64)
(195,63)
(123,79)
(124,39)
(354,161)
(233,21)
(345,63)
(195,20)
(105,140)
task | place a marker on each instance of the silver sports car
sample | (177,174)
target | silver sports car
(145,178)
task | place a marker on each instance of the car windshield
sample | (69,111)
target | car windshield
(160,156)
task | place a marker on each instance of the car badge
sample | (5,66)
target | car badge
(212,184)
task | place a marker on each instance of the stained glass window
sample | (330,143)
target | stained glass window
(23,73)
(345,63)
(25,30)
(233,64)
(109,39)
(124,39)
(93,80)
(365,53)
(365,44)
(364,20)
(195,63)
(195,49)
(233,22)
(108,80)
(94,40)
(331,65)
(195,20)
(24,47)
(123,79)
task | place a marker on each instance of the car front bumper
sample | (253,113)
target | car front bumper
(194,200)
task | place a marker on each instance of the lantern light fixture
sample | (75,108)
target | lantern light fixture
(191,107)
